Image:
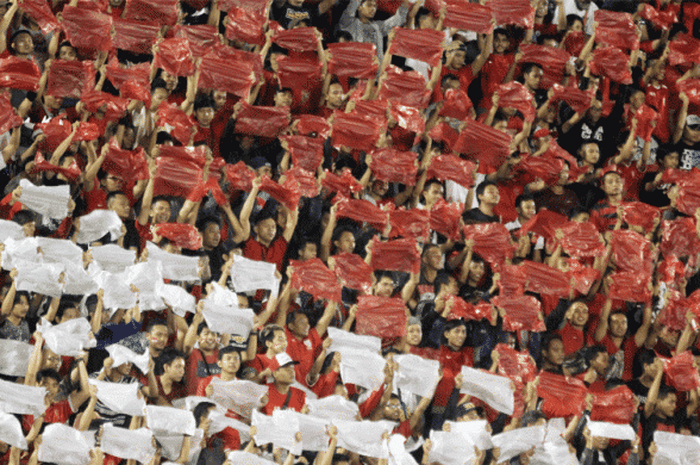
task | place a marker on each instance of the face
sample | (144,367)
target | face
(266,230)
(490,195)
(600,363)
(284,375)
(367,9)
(170,80)
(230,363)
(278,343)
(554,354)
(500,44)
(20,309)
(51,386)
(204,116)
(300,326)
(435,191)
(392,410)
(120,205)
(667,405)
(160,211)
(176,370)
(576,27)
(50,360)
(113,183)
(346,242)
(527,209)
(591,153)
(671,160)
(476,271)
(385,287)
(613,184)
(691,134)
(124,369)
(433,258)
(458,58)
(208,339)
(456,337)
(53,103)
(579,315)
(23,44)
(618,325)
(67,53)
(637,100)
(380,188)
(283,99)
(295,3)
(70,314)
(309,251)
(335,95)
(158,337)
(212,235)
(533,78)
(219,98)
(414,334)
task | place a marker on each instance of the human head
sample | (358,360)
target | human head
(118,202)
(335,95)
(284,97)
(20,305)
(159,93)
(532,75)
(691,132)
(265,230)
(552,350)
(344,239)
(367,10)
(432,257)
(261,166)
(160,210)
(487,193)
(67,52)
(392,409)
(525,206)
(617,322)
(589,152)
(172,364)
(21,43)
(577,314)
(49,379)
(433,191)
(229,360)
(201,412)
(454,334)
(414,331)
(283,369)
(298,324)
(384,286)
(668,157)
(574,23)
(636,98)
(68,309)
(445,284)
(204,110)
(666,401)
(501,41)
(171,80)
(207,339)
(26,219)
(612,184)
(274,339)
(210,228)
(158,333)
(308,249)
(596,357)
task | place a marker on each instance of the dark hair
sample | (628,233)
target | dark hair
(643,358)
(442,279)
(229,350)
(665,390)
(291,316)
(268,333)
(571,19)
(501,31)
(447,77)
(19,295)
(203,101)
(155,322)
(112,195)
(14,37)
(482,187)
(167,357)
(66,303)
(523,198)
(203,222)
(340,230)
(449,326)
(529,66)
(158,83)
(202,326)
(345,35)
(202,410)
(590,353)
(546,342)
(577,210)
(48,373)
(23,217)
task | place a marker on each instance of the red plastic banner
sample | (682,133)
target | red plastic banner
(583,276)
(552,59)
(419,44)
(413,223)
(616,29)
(240,177)
(306,152)
(543,167)
(545,224)
(664,19)
(614,406)
(262,121)
(40,11)
(175,57)
(681,372)
(582,240)
(392,165)
(86,29)
(134,36)
(181,123)
(445,218)
(356,131)
(517,366)
(362,211)
(517,12)
(450,167)
(164,12)
(134,90)
(246,25)
(631,286)
(456,104)
(579,100)
(18,73)
(178,178)
(691,88)
(513,280)
(287,194)
(188,154)
(408,118)
(491,240)
(515,95)
(201,37)
(312,126)
(468,16)
(69,79)
(220,74)
(563,397)
(684,49)
(301,39)
(641,214)
(8,117)
(382,317)
(308,184)
(56,130)
(466,311)
(181,235)
(344,184)
(247,60)
(395,255)
(353,272)
(613,63)
(443,132)
(544,279)
(522,313)
(113,107)
(315,278)
(299,72)
(71,173)
(482,143)
(679,237)
(405,88)
(631,251)
(125,164)
(118,76)
(353,59)
(646,121)
(87,131)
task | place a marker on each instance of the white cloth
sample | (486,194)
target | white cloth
(276,430)
(175,267)
(333,407)
(14,357)
(251,275)
(449,449)
(364,437)
(554,450)
(228,320)
(18,398)
(675,448)
(120,398)
(363,368)
(77,281)
(312,429)
(10,229)
(398,455)
(219,421)
(97,223)
(179,300)
(118,293)
(20,250)
(493,389)
(342,340)
(128,444)
(417,375)
(147,278)
(69,338)
(62,444)
(11,430)
(611,430)
(517,441)
(246,458)
(50,201)
(111,258)
(59,250)
(39,277)
(122,355)
(170,420)
(238,395)
(472,431)
(172,444)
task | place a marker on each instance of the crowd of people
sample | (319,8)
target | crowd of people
(350,232)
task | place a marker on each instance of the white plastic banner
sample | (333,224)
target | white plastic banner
(229,320)
(11,431)
(274,430)
(364,437)
(39,277)
(118,293)
(10,229)
(62,444)
(128,444)
(344,340)
(398,455)
(246,458)
(96,224)
(417,375)
(312,429)
(59,250)
(111,258)
(51,201)
(14,357)
(69,338)
(77,281)
(170,420)
(363,368)
(449,449)
(604,429)
(493,389)
(239,396)
(120,398)
(20,250)
(147,278)
(122,354)
(18,398)
(472,431)
(180,301)
(251,275)
(517,441)
(175,267)
(675,449)
(333,407)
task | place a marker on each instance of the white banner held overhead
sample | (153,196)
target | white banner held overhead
(97,224)
(128,444)
(495,390)
(51,201)
(14,357)
(417,375)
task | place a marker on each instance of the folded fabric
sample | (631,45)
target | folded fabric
(364,437)
(96,224)
(121,355)
(127,444)
(312,429)
(631,286)
(683,49)
(664,19)
(673,448)
(491,240)
(169,420)
(515,95)
(474,432)
(353,59)
(614,406)
(112,258)
(543,167)
(519,12)
(398,455)
(613,63)
(617,29)
(163,12)
(333,407)
(133,36)
(678,237)
(407,117)
(394,166)
(10,229)
(420,44)
(174,266)
(300,39)
(50,201)
(444,167)
(631,251)
(553,61)
(125,164)
(298,72)
(250,275)
(287,193)
(11,431)
(39,277)
(383,317)
(229,320)
(21,399)
(201,37)
(603,429)
(275,431)
(468,16)
(179,125)
(306,152)
(362,211)
(62,444)
(395,255)
(456,104)
(517,366)
(467,311)
(314,126)
(178,299)
(482,143)
(680,372)
(262,121)
(69,79)
(563,396)
(356,131)
(117,292)
(445,218)
(240,396)
(23,250)
(120,397)
(493,389)
(219,422)
(85,29)
(582,240)
(345,184)
(412,223)
(315,278)
(448,448)
(18,73)
(240,177)
(343,341)
(363,368)
(544,279)
(417,375)
(405,88)
(146,278)
(14,357)
(40,12)
(69,338)
(517,441)
(246,25)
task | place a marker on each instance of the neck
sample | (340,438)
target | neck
(575,326)
(165,382)
(557,189)
(265,243)
(282,388)
(14,320)
(364,20)
(430,274)
(617,339)
(226,376)
(615,199)
(486,209)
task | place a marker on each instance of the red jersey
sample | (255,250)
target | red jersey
(295,400)
(303,351)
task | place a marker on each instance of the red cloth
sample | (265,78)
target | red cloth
(246,25)
(552,59)
(353,272)
(315,278)
(465,310)
(632,251)
(70,79)
(680,371)
(392,165)
(86,29)
(134,36)
(679,237)
(522,312)
(395,255)
(262,121)
(413,223)
(8,118)
(125,164)
(356,131)
(19,73)
(613,63)
(353,59)
(221,74)
(616,29)
(277,400)
(383,317)
(579,100)
(614,406)
(201,37)
(484,144)
(287,194)
(303,351)
(515,95)
(632,286)
(40,11)
(517,366)
(163,12)
(491,240)
(175,56)
(574,339)
(300,39)
(445,218)
(344,184)
(563,397)
(362,211)
(405,88)
(306,152)
(518,12)
(445,167)
(420,44)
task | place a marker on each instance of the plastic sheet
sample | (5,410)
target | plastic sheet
(640,214)
(614,406)
(301,39)
(444,133)
(262,121)
(175,57)
(382,317)
(233,77)
(408,118)
(164,12)
(450,167)
(613,63)
(299,72)
(468,16)
(691,87)
(246,25)
(552,59)
(582,240)
(482,143)
(240,177)
(563,397)
(673,316)
(515,95)
(181,235)
(87,131)
(583,276)
(311,125)
(684,49)
(579,100)
(306,152)
(134,90)
(445,218)
(395,255)
(495,390)
(353,59)
(315,278)
(662,19)
(71,173)
(680,372)
(417,375)
(134,36)
(518,12)
(671,269)
(544,224)
(679,237)
(8,118)
(86,29)
(392,165)
(114,107)
(522,313)
(56,130)
(617,29)
(420,44)
(574,42)
(125,164)
(491,240)
(118,75)
(251,275)
(631,286)
(176,177)
(18,73)
(405,88)
(287,193)
(517,366)
(308,184)
(62,444)
(180,123)
(69,79)
(544,279)
(413,223)
(40,11)
(513,280)
(456,104)
(374,108)
(345,184)
(545,168)
(356,131)
(467,311)
(631,251)
(51,201)
(645,117)
(201,37)
(353,272)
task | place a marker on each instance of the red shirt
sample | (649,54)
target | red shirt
(254,250)
(177,391)
(452,363)
(199,368)
(630,349)
(492,75)
(58,412)
(303,351)
(297,399)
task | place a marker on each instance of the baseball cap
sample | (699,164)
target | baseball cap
(282,360)
(693,120)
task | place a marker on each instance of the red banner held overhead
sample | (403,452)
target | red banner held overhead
(382,317)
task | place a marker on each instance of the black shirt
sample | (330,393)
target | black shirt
(475,216)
